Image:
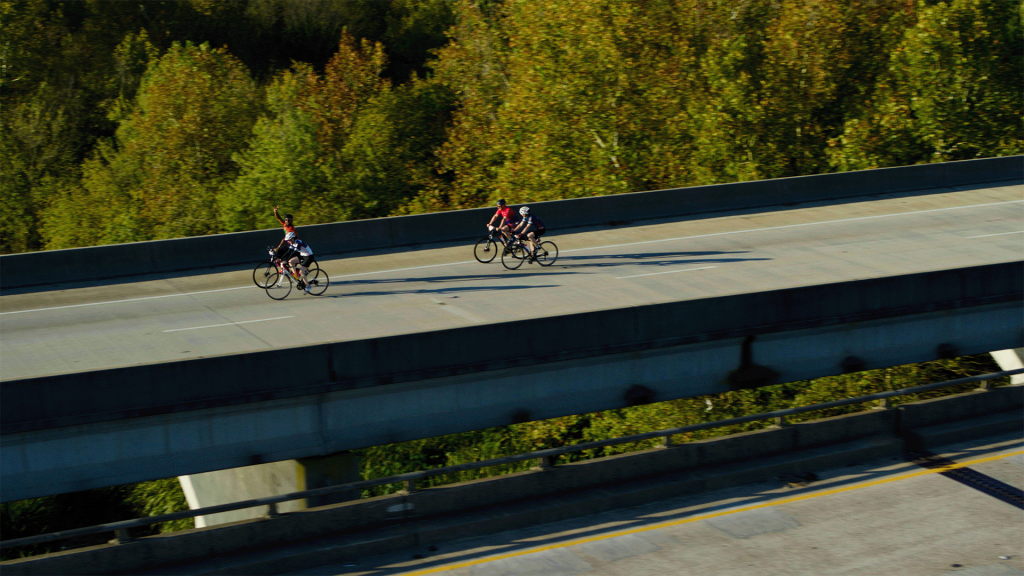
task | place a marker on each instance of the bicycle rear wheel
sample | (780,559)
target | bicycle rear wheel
(547,253)
(513,257)
(279,286)
(485,250)
(262,273)
(318,281)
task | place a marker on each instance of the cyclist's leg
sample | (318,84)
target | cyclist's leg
(532,239)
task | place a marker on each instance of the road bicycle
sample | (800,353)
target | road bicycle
(518,251)
(264,270)
(487,247)
(279,285)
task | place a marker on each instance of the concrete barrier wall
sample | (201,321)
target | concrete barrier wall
(62,400)
(854,437)
(180,254)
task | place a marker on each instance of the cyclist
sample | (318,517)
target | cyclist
(300,256)
(289,228)
(505,218)
(532,227)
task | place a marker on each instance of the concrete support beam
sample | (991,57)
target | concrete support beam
(1011,359)
(272,479)
(68,458)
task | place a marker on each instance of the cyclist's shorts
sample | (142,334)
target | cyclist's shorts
(306,261)
(537,233)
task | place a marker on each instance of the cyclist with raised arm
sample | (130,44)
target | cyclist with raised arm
(504,220)
(288,228)
(299,256)
(532,227)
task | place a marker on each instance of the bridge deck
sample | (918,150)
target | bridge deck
(91,326)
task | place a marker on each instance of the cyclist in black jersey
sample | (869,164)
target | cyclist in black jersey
(530,226)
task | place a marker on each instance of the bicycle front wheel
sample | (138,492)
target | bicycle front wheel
(485,250)
(547,253)
(279,286)
(262,273)
(318,281)
(513,257)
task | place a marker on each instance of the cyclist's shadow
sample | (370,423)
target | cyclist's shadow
(650,259)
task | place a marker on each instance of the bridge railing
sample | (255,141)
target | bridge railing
(545,459)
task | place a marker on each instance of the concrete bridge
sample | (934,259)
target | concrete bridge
(655,296)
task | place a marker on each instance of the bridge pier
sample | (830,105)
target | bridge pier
(271,479)
(1010,360)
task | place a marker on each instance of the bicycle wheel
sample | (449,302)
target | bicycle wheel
(485,250)
(279,286)
(513,257)
(318,281)
(547,253)
(262,273)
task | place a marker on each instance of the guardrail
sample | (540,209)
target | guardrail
(545,458)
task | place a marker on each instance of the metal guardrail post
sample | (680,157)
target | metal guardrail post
(883,404)
(780,421)
(121,536)
(272,510)
(546,462)
(985,385)
(666,442)
(410,486)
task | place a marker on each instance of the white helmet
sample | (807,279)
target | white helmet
(289,236)
(524,210)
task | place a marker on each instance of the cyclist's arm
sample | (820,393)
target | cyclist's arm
(277,216)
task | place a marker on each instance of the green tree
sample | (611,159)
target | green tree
(282,163)
(953,91)
(473,66)
(172,153)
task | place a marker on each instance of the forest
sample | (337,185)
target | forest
(128,121)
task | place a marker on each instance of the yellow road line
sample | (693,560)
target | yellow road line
(669,523)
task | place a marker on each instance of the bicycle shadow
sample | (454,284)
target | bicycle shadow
(437,279)
(651,259)
(438,291)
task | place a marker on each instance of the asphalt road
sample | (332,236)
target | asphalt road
(884,518)
(90,326)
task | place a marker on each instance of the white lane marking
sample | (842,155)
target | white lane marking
(1000,234)
(794,225)
(669,272)
(228,324)
(122,301)
(564,251)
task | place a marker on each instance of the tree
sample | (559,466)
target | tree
(952,91)
(173,153)
(282,163)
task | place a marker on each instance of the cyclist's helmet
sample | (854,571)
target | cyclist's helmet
(501,202)
(288,217)
(524,210)
(289,236)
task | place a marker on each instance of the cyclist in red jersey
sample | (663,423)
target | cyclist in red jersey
(505,218)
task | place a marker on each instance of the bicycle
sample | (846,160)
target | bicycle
(487,247)
(279,285)
(261,274)
(518,252)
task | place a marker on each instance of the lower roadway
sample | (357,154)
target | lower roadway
(885,518)
(93,326)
